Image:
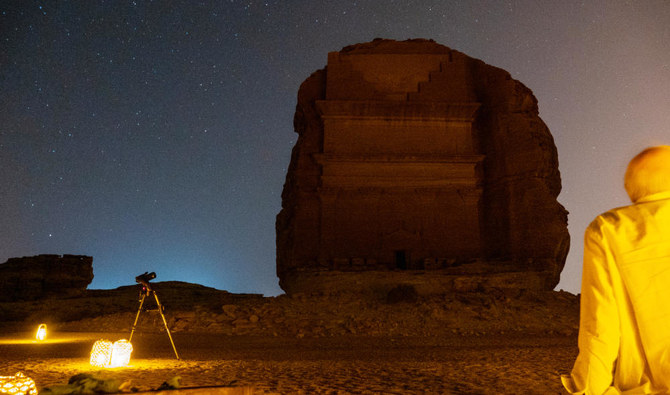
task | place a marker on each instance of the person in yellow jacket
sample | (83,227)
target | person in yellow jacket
(624,324)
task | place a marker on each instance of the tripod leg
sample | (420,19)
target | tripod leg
(160,310)
(136,318)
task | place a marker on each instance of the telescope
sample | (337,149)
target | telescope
(146,291)
(145,278)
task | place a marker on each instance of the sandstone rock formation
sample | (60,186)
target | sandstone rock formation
(419,166)
(36,277)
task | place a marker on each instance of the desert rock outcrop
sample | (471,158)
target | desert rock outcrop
(417,165)
(36,277)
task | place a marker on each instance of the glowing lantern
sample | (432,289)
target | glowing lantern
(17,384)
(121,353)
(101,353)
(107,355)
(41,332)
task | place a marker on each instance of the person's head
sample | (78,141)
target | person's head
(648,173)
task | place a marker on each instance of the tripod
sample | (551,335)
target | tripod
(146,290)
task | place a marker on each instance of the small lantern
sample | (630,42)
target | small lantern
(107,355)
(121,353)
(101,353)
(41,332)
(17,384)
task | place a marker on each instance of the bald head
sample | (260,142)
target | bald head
(648,173)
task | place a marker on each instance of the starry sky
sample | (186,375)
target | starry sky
(155,135)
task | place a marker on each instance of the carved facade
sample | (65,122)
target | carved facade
(397,171)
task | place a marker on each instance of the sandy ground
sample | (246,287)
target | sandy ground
(496,364)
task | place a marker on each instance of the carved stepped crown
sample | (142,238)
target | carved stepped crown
(450,83)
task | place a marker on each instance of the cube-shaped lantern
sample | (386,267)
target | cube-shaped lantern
(101,353)
(17,384)
(121,350)
(107,355)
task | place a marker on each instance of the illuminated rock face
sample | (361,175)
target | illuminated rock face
(40,276)
(416,164)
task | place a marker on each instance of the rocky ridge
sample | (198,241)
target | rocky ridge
(196,309)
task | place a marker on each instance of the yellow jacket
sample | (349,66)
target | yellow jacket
(624,329)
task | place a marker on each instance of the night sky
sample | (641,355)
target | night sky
(155,135)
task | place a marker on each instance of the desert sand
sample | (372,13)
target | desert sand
(461,344)
(271,365)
